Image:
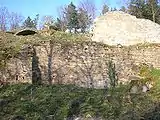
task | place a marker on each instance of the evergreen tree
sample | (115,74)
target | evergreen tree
(29,23)
(105,9)
(148,9)
(123,8)
(72,17)
(113,9)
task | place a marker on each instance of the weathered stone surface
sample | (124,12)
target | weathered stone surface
(118,27)
(82,64)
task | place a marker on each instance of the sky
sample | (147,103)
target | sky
(46,7)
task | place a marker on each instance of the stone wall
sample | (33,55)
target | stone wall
(84,63)
(117,27)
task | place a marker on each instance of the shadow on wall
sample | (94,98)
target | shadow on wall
(50,56)
(36,72)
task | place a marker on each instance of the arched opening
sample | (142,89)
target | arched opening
(26,32)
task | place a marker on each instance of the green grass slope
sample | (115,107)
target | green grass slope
(58,102)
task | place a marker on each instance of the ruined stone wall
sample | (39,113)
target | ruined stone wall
(84,64)
(117,27)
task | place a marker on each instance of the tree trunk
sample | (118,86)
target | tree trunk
(153,13)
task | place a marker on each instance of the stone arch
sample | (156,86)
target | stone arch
(26,32)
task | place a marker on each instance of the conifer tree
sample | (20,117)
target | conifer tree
(72,17)
(105,9)
(31,23)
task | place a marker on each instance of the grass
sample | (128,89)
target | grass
(40,102)
(57,102)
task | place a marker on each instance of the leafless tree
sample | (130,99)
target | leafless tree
(89,6)
(4,14)
(123,2)
(14,20)
(46,21)
(62,18)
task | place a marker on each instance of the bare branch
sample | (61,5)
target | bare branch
(3,18)
(14,20)
(89,6)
